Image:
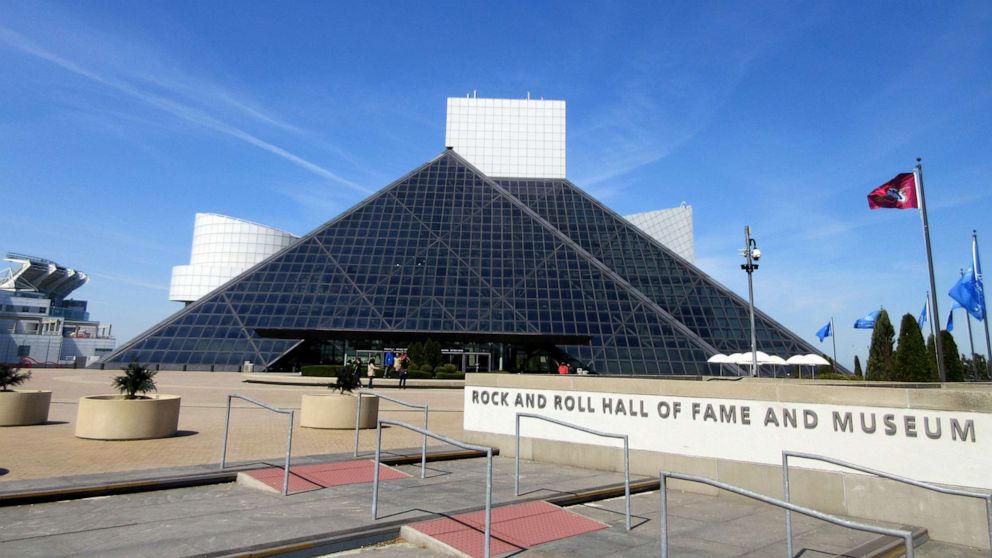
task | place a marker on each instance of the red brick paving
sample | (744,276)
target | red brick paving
(303,478)
(514,528)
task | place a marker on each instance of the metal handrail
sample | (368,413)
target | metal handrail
(447,440)
(289,436)
(626,454)
(905,535)
(358,415)
(786,454)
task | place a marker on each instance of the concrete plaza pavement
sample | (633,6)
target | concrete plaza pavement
(224,518)
(191,521)
(52,450)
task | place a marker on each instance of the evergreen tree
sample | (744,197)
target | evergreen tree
(976,368)
(953,367)
(857,368)
(432,352)
(932,357)
(416,353)
(880,357)
(911,354)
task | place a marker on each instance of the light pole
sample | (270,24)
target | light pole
(752,254)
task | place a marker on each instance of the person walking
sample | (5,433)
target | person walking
(371,371)
(356,371)
(404,364)
(387,363)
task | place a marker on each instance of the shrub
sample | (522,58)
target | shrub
(136,378)
(446,369)
(12,377)
(836,376)
(450,375)
(321,370)
(427,368)
(418,375)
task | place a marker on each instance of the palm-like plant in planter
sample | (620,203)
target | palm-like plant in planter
(22,407)
(339,410)
(136,378)
(133,416)
(12,377)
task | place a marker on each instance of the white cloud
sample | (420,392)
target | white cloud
(182,110)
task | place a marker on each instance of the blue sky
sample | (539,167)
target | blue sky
(120,120)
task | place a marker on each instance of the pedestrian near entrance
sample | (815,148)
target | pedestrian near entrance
(387,364)
(371,371)
(356,370)
(404,368)
(563,368)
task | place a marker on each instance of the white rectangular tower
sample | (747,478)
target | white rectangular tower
(508,138)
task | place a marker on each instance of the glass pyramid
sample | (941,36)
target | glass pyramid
(514,267)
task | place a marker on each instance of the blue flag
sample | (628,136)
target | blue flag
(824,332)
(867,322)
(923,315)
(969,291)
(950,320)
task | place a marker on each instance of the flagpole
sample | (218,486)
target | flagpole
(833,337)
(926,305)
(971,338)
(918,174)
(985,314)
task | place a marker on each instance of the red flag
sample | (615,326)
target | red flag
(898,193)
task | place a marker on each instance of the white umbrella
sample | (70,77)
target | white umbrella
(720,358)
(777,360)
(746,358)
(807,360)
(816,360)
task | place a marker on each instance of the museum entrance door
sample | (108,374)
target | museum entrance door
(476,362)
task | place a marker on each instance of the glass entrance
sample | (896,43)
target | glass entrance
(366,355)
(476,362)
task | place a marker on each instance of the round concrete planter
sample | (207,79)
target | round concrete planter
(337,410)
(111,417)
(24,407)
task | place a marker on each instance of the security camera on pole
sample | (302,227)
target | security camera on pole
(752,254)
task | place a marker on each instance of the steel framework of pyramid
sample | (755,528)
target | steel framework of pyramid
(517,268)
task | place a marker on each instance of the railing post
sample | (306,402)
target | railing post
(489,498)
(663,519)
(289,452)
(988,517)
(788,513)
(358,415)
(227,423)
(882,474)
(516,459)
(626,478)
(375,471)
(423,447)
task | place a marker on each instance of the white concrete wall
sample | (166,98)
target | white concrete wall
(747,453)
(223,247)
(520,138)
